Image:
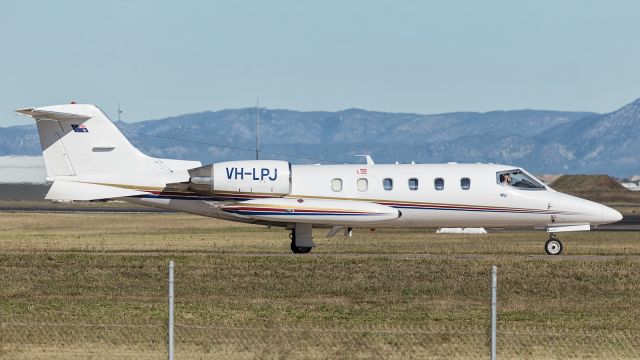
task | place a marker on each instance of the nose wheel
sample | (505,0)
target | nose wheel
(553,246)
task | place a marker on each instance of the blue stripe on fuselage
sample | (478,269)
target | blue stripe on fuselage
(415,207)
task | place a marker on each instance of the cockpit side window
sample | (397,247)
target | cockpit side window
(518,179)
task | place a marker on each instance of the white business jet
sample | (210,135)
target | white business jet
(88,158)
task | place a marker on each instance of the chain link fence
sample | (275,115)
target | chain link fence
(50,340)
(79,306)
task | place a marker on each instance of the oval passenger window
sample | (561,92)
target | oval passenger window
(336,185)
(387,184)
(465,183)
(363,184)
(413,184)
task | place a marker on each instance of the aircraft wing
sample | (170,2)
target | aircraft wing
(316,211)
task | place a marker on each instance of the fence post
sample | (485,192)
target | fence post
(170,327)
(494,300)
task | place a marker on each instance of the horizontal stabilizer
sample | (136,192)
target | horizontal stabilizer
(52,115)
(70,190)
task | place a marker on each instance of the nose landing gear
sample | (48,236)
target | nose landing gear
(553,246)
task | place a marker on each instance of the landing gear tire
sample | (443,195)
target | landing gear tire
(553,246)
(297,249)
(300,249)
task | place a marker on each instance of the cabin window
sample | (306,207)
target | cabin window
(465,183)
(387,184)
(518,179)
(336,185)
(438,183)
(363,184)
(413,184)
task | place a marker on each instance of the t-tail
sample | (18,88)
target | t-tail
(88,158)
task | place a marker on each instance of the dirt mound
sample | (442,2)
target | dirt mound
(600,188)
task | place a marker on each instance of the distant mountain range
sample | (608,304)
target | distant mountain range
(540,141)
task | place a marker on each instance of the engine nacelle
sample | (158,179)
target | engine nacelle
(272,177)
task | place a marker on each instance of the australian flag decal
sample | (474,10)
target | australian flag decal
(79,128)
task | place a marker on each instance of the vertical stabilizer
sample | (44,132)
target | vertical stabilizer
(79,140)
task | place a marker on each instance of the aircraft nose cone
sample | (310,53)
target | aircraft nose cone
(610,215)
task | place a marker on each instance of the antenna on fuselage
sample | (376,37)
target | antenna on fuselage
(368,159)
(119,112)
(257,128)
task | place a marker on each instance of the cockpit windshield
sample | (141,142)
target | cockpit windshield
(518,179)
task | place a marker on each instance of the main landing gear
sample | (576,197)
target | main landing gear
(298,249)
(553,246)
(302,239)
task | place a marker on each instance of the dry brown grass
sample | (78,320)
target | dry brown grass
(93,286)
(167,233)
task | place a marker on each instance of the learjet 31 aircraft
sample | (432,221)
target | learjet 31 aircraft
(88,158)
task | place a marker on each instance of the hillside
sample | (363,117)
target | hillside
(595,144)
(540,141)
(599,188)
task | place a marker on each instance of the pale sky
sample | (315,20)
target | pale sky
(161,58)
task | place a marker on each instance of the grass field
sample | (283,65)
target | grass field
(94,286)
